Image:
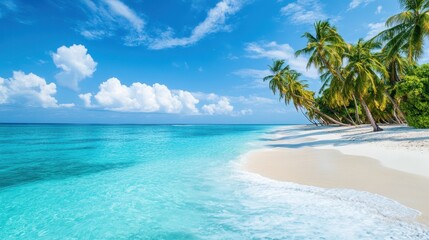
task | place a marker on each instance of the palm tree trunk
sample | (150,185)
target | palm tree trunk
(337,73)
(356,110)
(305,115)
(322,121)
(328,117)
(347,119)
(348,114)
(397,119)
(396,108)
(382,119)
(374,125)
(316,110)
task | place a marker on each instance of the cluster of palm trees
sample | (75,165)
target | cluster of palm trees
(358,79)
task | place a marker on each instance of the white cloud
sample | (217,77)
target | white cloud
(374,29)
(67,105)
(304,11)
(95,34)
(273,50)
(246,112)
(122,10)
(379,9)
(109,17)
(139,97)
(254,100)
(356,3)
(3,91)
(86,98)
(222,107)
(206,96)
(75,64)
(214,22)
(158,98)
(106,17)
(29,90)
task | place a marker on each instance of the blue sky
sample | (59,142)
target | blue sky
(147,61)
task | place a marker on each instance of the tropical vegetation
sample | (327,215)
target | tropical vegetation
(413,91)
(369,82)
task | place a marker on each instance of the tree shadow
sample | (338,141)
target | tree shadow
(346,139)
(316,131)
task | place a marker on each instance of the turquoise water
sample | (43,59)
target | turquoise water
(169,182)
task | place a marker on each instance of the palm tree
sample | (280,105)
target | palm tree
(363,75)
(326,49)
(395,65)
(276,79)
(334,97)
(277,83)
(407,30)
(290,88)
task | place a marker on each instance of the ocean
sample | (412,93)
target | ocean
(170,182)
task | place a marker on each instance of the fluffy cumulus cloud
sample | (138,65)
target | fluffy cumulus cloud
(3,91)
(28,90)
(356,3)
(75,64)
(214,22)
(273,50)
(139,97)
(157,98)
(221,107)
(86,98)
(304,11)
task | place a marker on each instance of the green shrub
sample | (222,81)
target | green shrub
(414,93)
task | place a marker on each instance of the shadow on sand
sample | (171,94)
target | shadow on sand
(349,136)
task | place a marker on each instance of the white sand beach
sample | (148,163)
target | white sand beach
(393,163)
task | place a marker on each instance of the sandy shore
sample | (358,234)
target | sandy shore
(393,163)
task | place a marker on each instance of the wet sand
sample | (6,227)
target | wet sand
(288,158)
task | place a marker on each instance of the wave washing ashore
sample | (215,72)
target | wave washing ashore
(394,163)
(171,182)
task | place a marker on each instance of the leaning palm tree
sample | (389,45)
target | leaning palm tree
(407,30)
(276,78)
(297,92)
(291,89)
(277,84)
(326,52)
(363,75)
